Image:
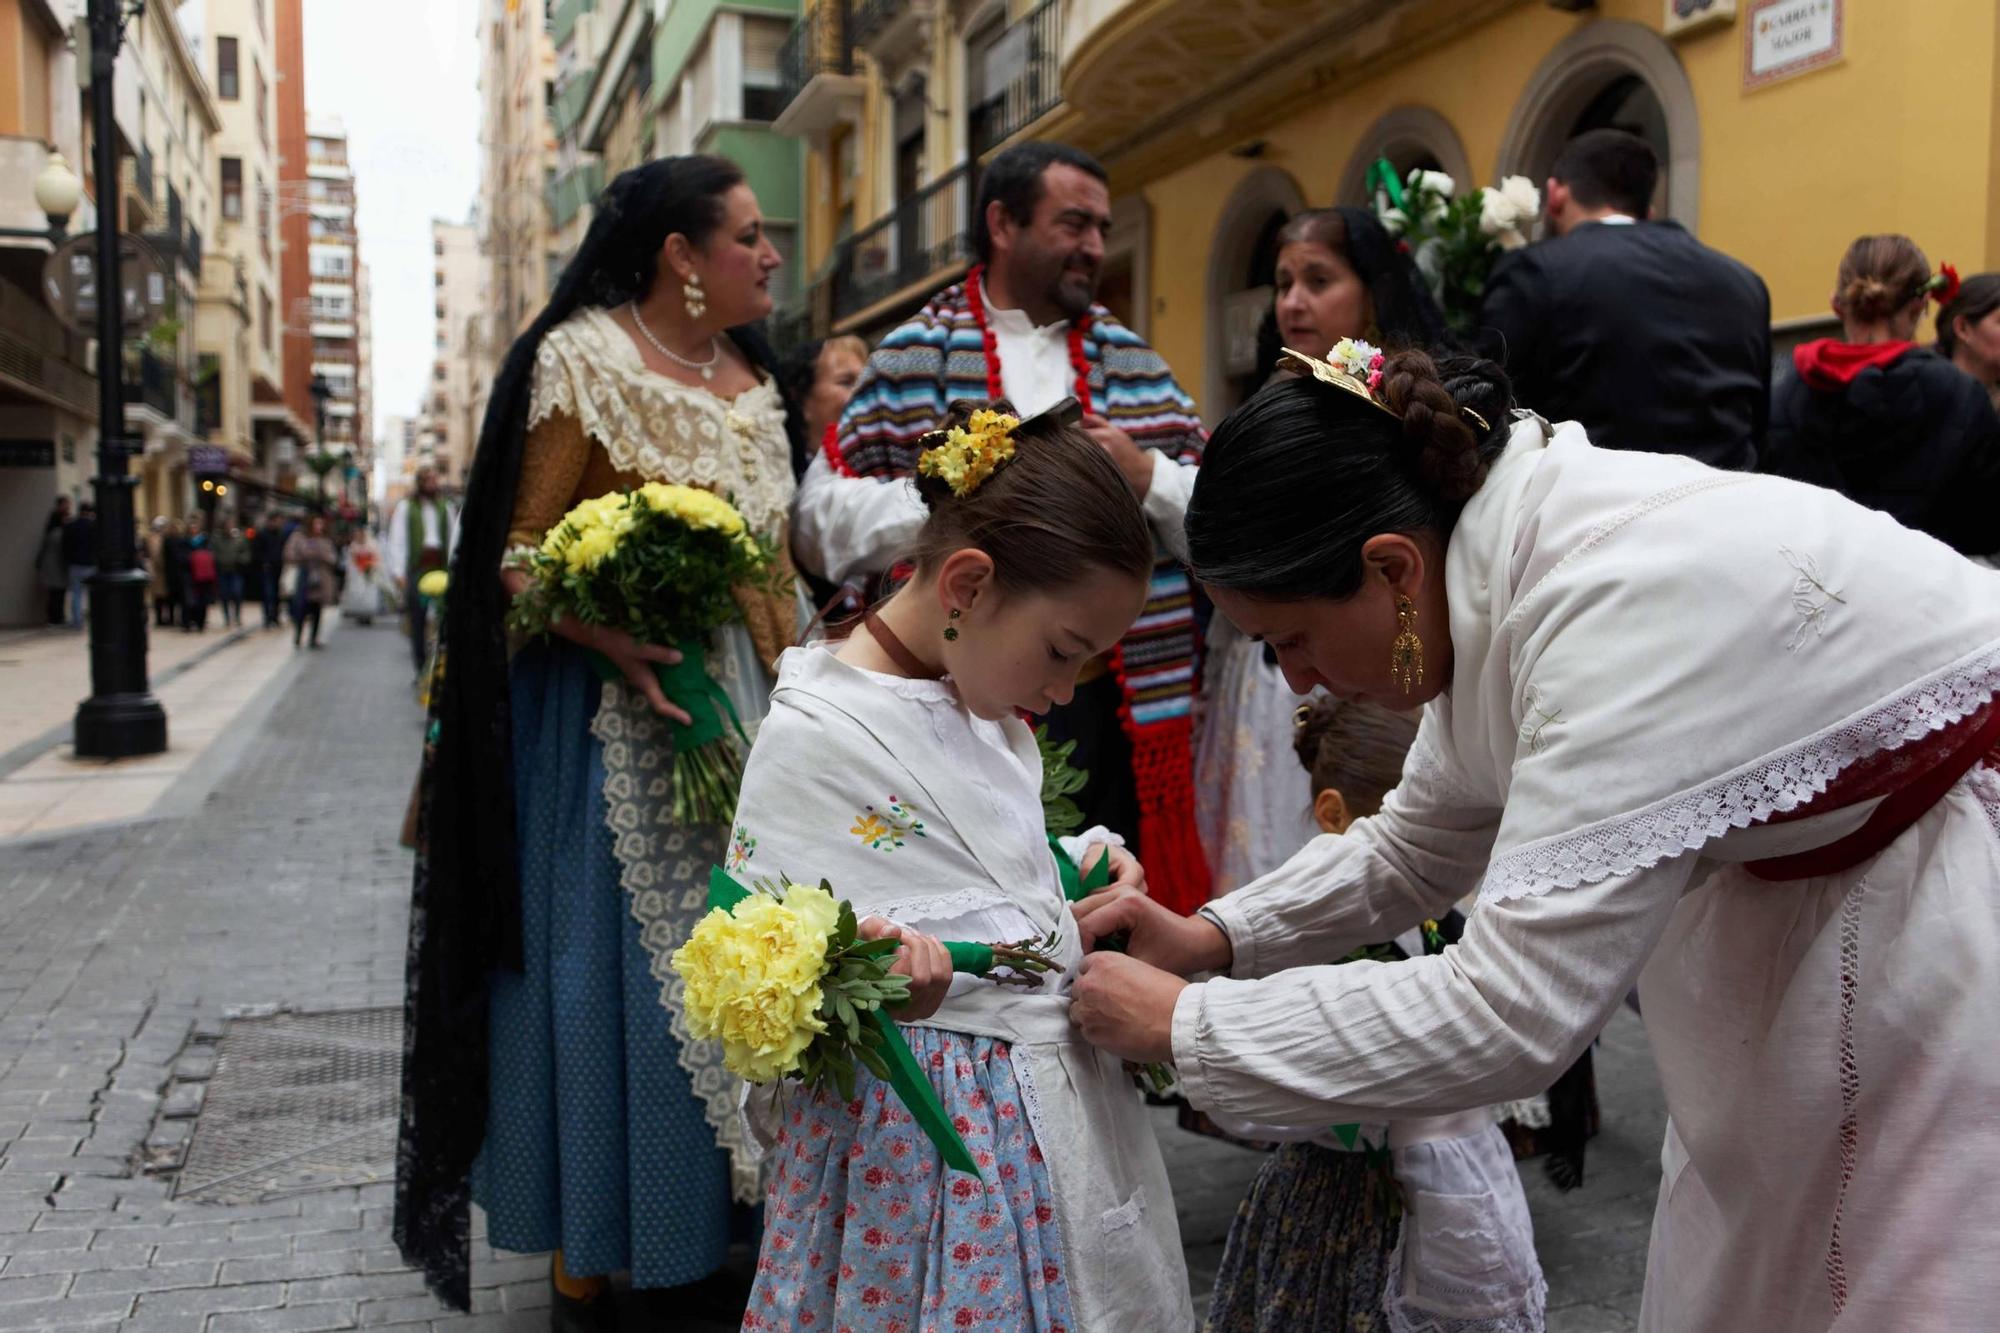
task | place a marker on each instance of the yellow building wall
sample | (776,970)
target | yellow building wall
(1901,136)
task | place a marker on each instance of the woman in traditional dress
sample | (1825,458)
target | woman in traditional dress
(1339,275)
(552,883)
(1716,732)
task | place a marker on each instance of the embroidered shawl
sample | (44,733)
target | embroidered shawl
(939,355)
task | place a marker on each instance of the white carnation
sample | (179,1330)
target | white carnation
(1395,221)
(1521,191)
(1436,182)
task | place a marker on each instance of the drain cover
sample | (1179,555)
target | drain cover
(297,1102)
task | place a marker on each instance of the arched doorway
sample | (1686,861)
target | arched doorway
(1241,263)
(1618,75)
(1411,137)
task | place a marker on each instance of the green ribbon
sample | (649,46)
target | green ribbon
(687,685)
(911,1083)
(1382,179)
(1077,885)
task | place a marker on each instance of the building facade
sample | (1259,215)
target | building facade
(516,85)
(48,384)
(460,371)
(1216,119)
(338,305)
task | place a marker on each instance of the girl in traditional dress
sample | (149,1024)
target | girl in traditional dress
(1718,732)
(1318,1243)
(552,882)
(894,765)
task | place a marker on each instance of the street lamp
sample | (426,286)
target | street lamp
(121,718)
(57,193)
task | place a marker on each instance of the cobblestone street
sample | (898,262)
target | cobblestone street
(124,950)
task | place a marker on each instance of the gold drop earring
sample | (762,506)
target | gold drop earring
(1406,654)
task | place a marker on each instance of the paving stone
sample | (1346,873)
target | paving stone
(68,1312)
(213,1300)
(195,1251)
(287,1319)
(168,1277)
(48,1286)
(78,1261)
(293,1266)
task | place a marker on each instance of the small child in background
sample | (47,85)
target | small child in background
(1326,1239)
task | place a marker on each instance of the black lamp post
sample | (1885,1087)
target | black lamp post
(121,717)
(321,391)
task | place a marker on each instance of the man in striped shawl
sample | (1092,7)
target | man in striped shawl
(1024,325)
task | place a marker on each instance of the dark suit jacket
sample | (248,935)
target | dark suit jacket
(1642,333)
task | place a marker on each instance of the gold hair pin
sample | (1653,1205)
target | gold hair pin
(1356,367)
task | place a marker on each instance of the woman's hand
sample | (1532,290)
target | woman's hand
(922,959)
(1126,872)
(1126,1007)
(1153,933)
(633,659)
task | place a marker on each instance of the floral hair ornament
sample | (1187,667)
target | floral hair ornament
(963,457)
(1943,285)
(1352,366)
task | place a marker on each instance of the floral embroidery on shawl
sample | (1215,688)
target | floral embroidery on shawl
(1811,598)
(741,848)
(889,828)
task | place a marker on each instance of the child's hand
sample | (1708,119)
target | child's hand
(1126,872)
(922,959)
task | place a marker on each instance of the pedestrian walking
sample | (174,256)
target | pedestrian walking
(80,558)
(201,578)
(1886,423)
(1968,331)
(310,554)
(540,1045)
(232,565)
(362,586)
(268,551)
(174,550)
(158,587)
(51,566)
(1629,325)
(421,536)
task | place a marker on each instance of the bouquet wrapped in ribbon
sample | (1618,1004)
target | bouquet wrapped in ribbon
(658,563)
(781,977)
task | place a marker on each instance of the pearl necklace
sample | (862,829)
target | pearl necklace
(706,368)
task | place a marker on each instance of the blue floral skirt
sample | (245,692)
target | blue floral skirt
(865,1228)
(595,1142)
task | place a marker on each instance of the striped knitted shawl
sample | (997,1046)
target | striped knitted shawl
(940,355)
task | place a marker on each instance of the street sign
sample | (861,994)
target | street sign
(207,460)
(69,283)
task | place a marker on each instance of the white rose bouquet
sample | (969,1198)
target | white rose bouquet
(1455,241)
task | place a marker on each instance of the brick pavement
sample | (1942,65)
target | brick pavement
(287,888)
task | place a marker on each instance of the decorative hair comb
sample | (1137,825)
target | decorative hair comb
(1355,367)
(1942,286)
(963,457)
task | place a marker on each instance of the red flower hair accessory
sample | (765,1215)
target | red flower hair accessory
(1943,286)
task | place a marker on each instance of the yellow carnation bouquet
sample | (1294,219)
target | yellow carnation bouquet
(780,975)
(659,563)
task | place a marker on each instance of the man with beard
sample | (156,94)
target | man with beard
(1024,326)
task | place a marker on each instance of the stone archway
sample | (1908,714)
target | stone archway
(1243,228)
(1409,136)
(1591,74)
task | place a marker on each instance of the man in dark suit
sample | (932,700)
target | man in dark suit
(1634,328)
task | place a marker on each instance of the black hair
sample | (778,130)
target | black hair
(1609,169)
(1014,180)
(1055,511)
(797,369)
(1296,480)
(1977,298)
(466,902)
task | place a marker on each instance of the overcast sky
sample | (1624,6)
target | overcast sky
(404,77)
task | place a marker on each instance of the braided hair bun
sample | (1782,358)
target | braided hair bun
(1444,443)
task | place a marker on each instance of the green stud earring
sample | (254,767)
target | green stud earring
(951,631)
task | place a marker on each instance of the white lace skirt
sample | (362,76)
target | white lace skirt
(1828,1052)
(1253,799)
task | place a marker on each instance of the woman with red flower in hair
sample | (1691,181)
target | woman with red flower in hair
(1884,422)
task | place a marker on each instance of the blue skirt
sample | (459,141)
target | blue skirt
(595,1142)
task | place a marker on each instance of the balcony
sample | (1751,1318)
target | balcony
(563,19)
(927,234)
(150,383)
(820,87)
(891,30)
(572,99)
(569,194)
(1033,92)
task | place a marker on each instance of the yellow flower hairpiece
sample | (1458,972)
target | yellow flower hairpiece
(965,456)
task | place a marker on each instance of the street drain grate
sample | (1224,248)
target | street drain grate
(297,1102)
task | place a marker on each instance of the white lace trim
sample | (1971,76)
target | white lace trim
(1782,781)
(663,868)
(662,430)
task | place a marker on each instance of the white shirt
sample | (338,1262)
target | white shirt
(398,535)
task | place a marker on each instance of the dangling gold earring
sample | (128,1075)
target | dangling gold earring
(1406,654)
(951,631)
(697,300)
